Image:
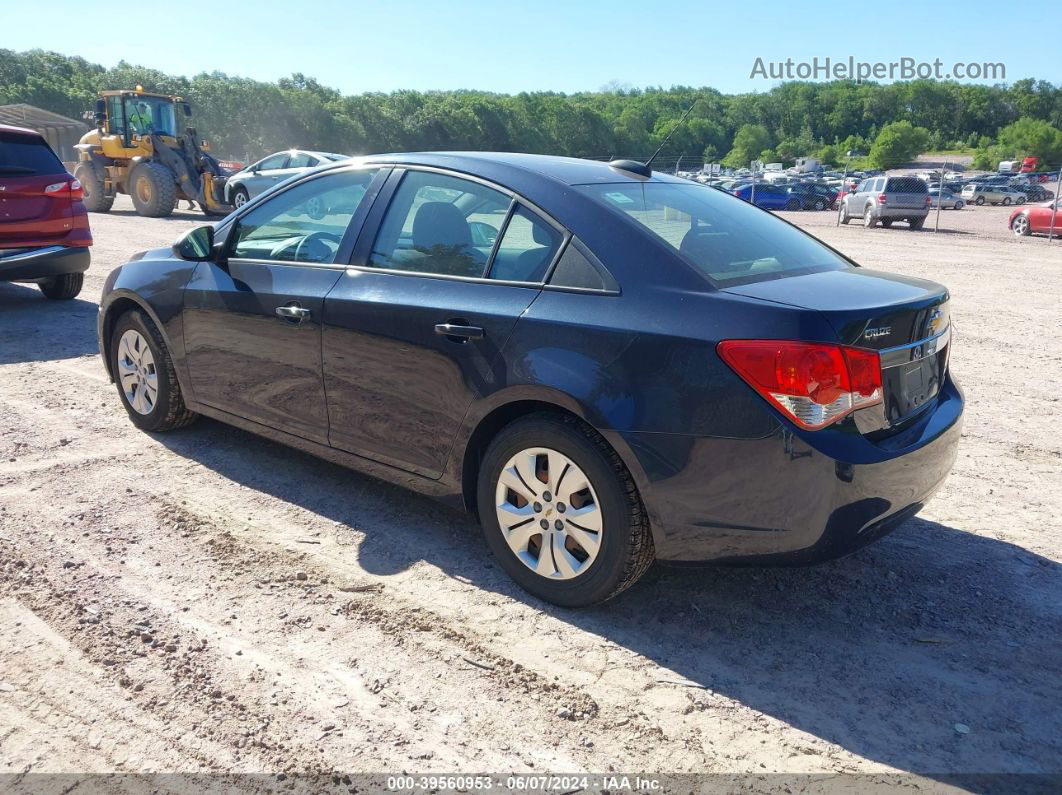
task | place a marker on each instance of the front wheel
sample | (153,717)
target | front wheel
(153,190)
(143,372)
(1021,227)
(842,216)
(561,512)
(240,197)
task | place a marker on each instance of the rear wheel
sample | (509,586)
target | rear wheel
(792,204)
(62,287)
(561,512)
(819,204)
(143,372)
(1006,201)
(1021,227)
(92,186)
(868,218)
(153,190)
(916,223)
(886,222)
(980,201)
(958,205)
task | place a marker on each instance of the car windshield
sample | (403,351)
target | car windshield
(27,155)
(726,239)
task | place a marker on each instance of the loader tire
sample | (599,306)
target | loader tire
(95,197)
(153,189)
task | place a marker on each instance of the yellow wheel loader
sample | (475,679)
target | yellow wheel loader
(136,149)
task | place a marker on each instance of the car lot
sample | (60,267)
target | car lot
(216,601)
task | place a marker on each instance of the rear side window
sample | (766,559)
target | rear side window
(526,250)
(27,155)
(439,224)
(905,185)
(729,241)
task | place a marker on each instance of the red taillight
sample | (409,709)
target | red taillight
(814,384)
(881,199)
(71,188)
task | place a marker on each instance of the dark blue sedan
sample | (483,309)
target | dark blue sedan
(608,366)
(769,197)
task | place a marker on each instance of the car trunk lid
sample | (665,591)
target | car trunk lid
(905,320)
(28,167)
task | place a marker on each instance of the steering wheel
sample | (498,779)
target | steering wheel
(316,238)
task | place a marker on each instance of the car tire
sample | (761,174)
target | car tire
(915,223)
(315,208)
(1020,226)
(792,204)
(138,357)
(980,202)
(62,287)
(240,197)
(153,190)
(842,216)
(819,205)
(957,206)
(869,221)
(624,544)
(1006,201)
(94,195)
(886,222)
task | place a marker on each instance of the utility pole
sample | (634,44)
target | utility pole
(940,195)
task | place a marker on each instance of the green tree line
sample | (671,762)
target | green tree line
(249,118)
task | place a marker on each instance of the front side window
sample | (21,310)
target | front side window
(305,223)
(439,224)
(273,161)
(730,242)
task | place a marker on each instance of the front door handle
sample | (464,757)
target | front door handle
(295,313)
(459,333)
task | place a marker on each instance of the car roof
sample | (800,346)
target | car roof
(507,167)
(20,130)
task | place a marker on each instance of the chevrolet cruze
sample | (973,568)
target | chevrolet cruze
(608,366)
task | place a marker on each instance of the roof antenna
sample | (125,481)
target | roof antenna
(644,169)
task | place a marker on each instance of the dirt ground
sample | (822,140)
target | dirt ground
(210,601)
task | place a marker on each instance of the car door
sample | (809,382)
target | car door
(415,328)
(252,321)
(267,174)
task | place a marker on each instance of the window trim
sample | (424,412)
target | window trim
(355,225)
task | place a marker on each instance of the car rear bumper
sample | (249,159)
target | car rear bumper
(18,265)
(792,497)
(901,212)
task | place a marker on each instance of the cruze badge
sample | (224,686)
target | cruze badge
(874,333)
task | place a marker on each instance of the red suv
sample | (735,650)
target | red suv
(44,229)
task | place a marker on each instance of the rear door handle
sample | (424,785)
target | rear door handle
(296,313)
(459,333)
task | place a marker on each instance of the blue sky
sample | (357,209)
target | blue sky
(510,47)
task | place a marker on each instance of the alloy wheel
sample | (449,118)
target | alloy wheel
(239,199)
(549,513)
(136,372)
(1021,225)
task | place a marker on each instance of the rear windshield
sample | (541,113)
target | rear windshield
(725,238)
(27,155)
(905,185)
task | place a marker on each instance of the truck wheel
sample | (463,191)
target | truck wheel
(561,512)
(96,199)
(62,287)
(153,189)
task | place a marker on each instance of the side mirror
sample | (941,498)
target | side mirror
(195,245)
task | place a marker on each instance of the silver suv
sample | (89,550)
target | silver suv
(887,199)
